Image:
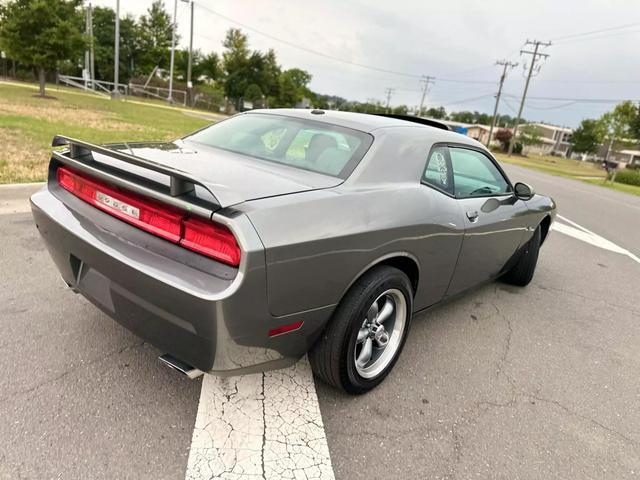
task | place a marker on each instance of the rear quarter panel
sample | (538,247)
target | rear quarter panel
(318,246)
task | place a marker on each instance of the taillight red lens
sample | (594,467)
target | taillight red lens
(142,213)
(207,238)
(211,239)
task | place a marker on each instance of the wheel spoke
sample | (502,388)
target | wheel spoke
(387,310)
(373,312)
(362,334)
(365,353)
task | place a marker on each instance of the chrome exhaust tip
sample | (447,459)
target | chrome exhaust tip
(182,367)
(68,285)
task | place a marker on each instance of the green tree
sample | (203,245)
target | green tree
(197,65)
(437,113)
(154,38)
(40,33)
(103,34)
(243,67)
(587,137)
(400,110)
(235,60)
(528,136)
(635,124)
(293,88)
(211,67)
(618,125)
(253,94)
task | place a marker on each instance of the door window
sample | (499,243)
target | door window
(438,171)
(475,175)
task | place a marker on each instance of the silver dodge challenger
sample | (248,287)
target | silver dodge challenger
(276,233)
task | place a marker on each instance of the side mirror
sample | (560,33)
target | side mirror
(523,191)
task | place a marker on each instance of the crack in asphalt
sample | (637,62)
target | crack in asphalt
(586,418)
(472,416)
(70,370)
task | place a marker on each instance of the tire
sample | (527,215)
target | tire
(338,356)
(522,272)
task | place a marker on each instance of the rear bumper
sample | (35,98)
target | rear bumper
(204,313)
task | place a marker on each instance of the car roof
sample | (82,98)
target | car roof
(364,122)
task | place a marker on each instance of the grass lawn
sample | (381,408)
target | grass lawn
(28,123)
(586,171)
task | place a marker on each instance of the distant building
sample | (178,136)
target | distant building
(625,157)
(555,140)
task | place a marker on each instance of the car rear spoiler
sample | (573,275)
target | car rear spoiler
(415,119)
(181,192)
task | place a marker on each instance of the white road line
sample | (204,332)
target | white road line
(581,233)
(263,425)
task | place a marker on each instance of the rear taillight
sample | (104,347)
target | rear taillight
(206,238)
(210,239)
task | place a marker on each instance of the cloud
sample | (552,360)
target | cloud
(455,40)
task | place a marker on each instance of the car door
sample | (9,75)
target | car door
(495,220)
(441,239)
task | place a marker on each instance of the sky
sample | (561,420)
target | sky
(457,42)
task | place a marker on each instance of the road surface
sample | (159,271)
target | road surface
(531,383)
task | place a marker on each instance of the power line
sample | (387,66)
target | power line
(576,100)
(592,32)
(599,37)
(464,100)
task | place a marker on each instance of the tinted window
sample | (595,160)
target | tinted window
(306,144)
(475,174)
(438,170)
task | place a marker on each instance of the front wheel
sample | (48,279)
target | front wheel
(367,332)
(522,272)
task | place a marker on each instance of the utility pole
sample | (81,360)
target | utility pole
(534,58)
(92,64)
(506,65)
(189,85)
(116,62)
(173,50)
(426,81)
(389,92)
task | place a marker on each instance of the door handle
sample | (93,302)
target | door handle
(472,215)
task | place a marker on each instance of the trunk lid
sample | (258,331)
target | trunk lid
(233,178)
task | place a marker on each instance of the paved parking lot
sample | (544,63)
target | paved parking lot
(540,382)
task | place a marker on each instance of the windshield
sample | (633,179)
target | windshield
(305,144)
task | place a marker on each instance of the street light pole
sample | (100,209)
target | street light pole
(116,62)
(92,64)
(173,50)
(189,85)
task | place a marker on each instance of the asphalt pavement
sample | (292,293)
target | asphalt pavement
(532,383)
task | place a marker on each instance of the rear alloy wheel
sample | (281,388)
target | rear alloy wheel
(379,337)
(367,332)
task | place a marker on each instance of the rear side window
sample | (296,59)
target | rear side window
(438,172)
(475,175)
(300,143)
